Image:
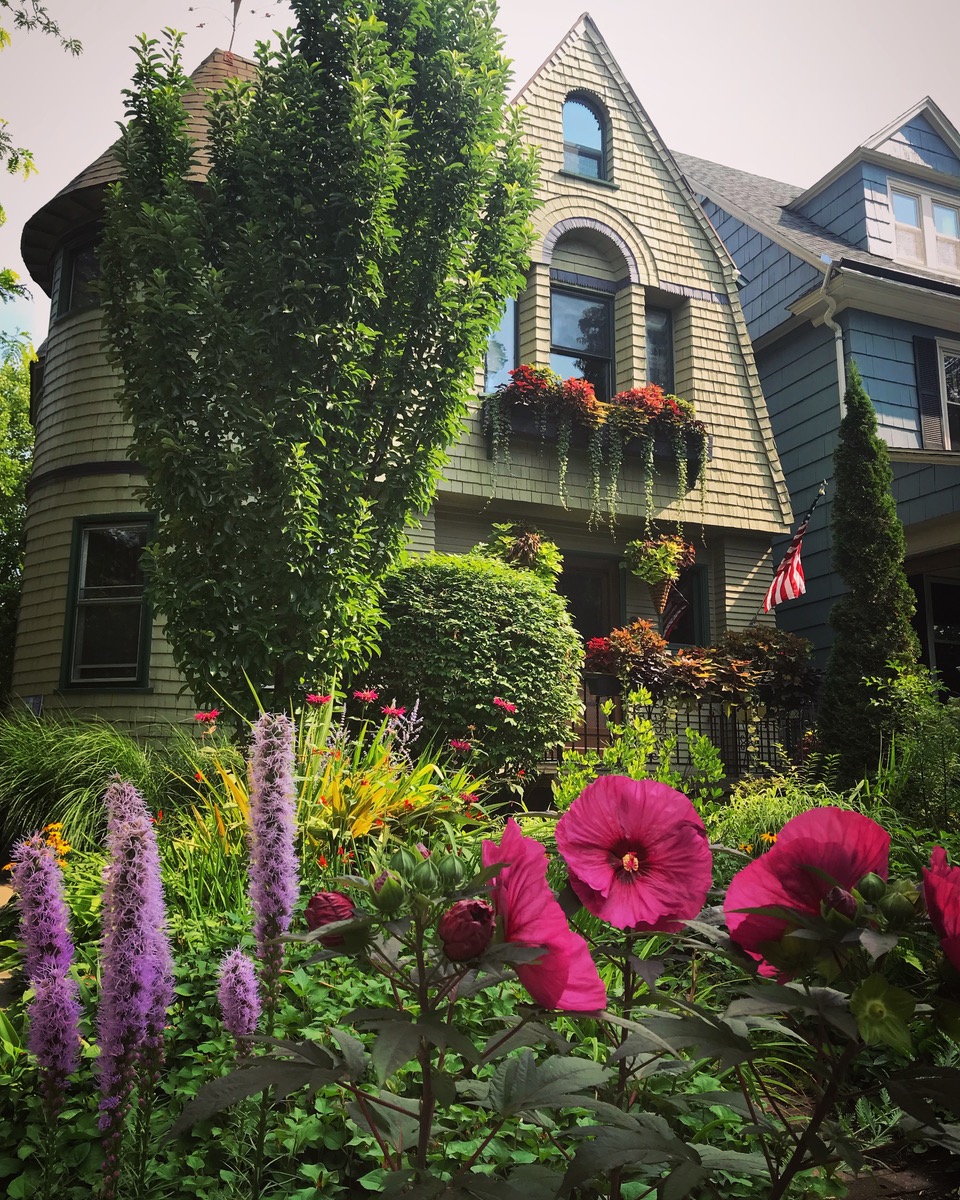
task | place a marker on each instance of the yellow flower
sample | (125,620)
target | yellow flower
(768,837)
(747,847)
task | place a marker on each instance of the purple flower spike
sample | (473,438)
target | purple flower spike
(239,998)
(54,1012)
(137,968)
(274,882)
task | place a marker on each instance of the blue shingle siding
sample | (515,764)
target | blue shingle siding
(923,493)
(840,207)
(775,278)
(876,183)
(799,379)
(919,142)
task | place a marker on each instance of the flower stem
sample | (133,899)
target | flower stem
(629,983)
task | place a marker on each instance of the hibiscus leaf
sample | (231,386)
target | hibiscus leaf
(218,1094)
(649,970)
(400,1129)
(875,943)
(681,1181)
(651,1141)
(308,1052)
(530,1033)
(397,1042)
(354,1054)
(713,1039)
(474,982)
(521,1084)
(512,952)
(741,1162)
(445,1037)
(531,1181)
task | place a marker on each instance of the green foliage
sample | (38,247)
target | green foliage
(57,769)
(298,338)
(919,773)
(465,630)
(872,620)
(638,750)
(524,548)
(16,452)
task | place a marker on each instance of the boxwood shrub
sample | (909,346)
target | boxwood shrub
(464,630)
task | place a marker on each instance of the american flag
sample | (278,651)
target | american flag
(677,605)
(788,582)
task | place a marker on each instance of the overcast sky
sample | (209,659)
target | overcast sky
(779,89)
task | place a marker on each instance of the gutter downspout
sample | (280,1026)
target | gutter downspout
(830,323)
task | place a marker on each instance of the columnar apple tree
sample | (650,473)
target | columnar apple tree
(297,336)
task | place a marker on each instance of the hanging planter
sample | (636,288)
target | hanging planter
(642,423)
(658,561)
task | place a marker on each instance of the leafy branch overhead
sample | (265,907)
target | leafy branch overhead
(298,337)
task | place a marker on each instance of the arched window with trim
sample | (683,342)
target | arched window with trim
(584,148)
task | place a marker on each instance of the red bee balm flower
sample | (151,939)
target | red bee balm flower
(637,853)
(941,890)
(314,698)
(458,746)
(466,930)
(207,718)
(367,695)
(821,853)
(506,705)
(389,710)
(326,907)
(564,977)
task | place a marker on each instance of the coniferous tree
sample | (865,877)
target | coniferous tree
(874,636)
(298,338)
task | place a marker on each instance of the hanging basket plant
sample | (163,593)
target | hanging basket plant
(638,419)
(658,561)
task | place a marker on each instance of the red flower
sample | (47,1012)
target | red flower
(504,704)
(326,907)
(637,853)
(366,695)
(460,747)
(321,860)
(314,698)
(941,890)
(564,977)
(198,776)
(389,710)
(158,818)
(816,852)
(466,930)
(207,718)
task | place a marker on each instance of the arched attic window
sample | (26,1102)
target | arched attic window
(584,137)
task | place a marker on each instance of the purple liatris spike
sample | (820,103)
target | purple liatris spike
(239,998)
(54,1012)
(136,965)
(273,876)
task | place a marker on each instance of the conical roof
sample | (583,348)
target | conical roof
(81,201)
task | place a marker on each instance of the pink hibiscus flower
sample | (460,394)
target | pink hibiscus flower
(941,890)
(637,853)
(565,976)
(819,853)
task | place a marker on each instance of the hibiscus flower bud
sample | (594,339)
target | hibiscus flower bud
(466,930)
(388,894)
(426,877)
(839,900)
(451,870)
(897,908)
(326,907)
(872,888)
(405,861)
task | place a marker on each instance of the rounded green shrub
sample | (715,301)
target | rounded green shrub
(473,638)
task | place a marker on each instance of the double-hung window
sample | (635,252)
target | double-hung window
(581,338)
(108,624)
(937,365)
(926,229)
(950,393)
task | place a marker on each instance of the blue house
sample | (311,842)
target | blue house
(863,264)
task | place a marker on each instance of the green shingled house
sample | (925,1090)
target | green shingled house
(628,284)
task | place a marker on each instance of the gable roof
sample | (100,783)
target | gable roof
(81,201)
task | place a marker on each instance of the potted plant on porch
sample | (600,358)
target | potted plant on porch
(658,561)
(601,667)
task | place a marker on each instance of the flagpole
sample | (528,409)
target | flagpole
(821,492)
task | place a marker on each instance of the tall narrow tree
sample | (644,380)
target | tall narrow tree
(872,620)
(298,338)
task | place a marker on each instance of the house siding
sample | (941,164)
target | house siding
(840,207)
(918,142)
(774,277)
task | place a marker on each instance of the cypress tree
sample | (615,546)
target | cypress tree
(874,637)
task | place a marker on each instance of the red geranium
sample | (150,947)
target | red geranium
(821,853)
(941,890)
(637,853)
(565,976)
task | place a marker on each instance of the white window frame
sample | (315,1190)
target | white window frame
(953,350)
(925,202)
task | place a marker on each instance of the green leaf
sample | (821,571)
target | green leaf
(354,1054)
(218,1094)
(396,1043)
(522,1084)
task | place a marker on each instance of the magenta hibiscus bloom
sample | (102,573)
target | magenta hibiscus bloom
(941,890)
(637,853)
(565,976)
(819,853)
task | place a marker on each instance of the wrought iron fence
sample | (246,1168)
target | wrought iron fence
(747,743)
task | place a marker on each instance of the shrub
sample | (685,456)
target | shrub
(643,658)
(466,633)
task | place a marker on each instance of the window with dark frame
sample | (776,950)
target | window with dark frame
(108,625)
(659,338)
(583,138)
(79,273)
(581,338)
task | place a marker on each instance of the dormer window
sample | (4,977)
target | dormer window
(927,229)
(583,138)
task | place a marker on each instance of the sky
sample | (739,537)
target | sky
(781,89)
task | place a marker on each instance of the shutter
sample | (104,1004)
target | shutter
(926,358)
